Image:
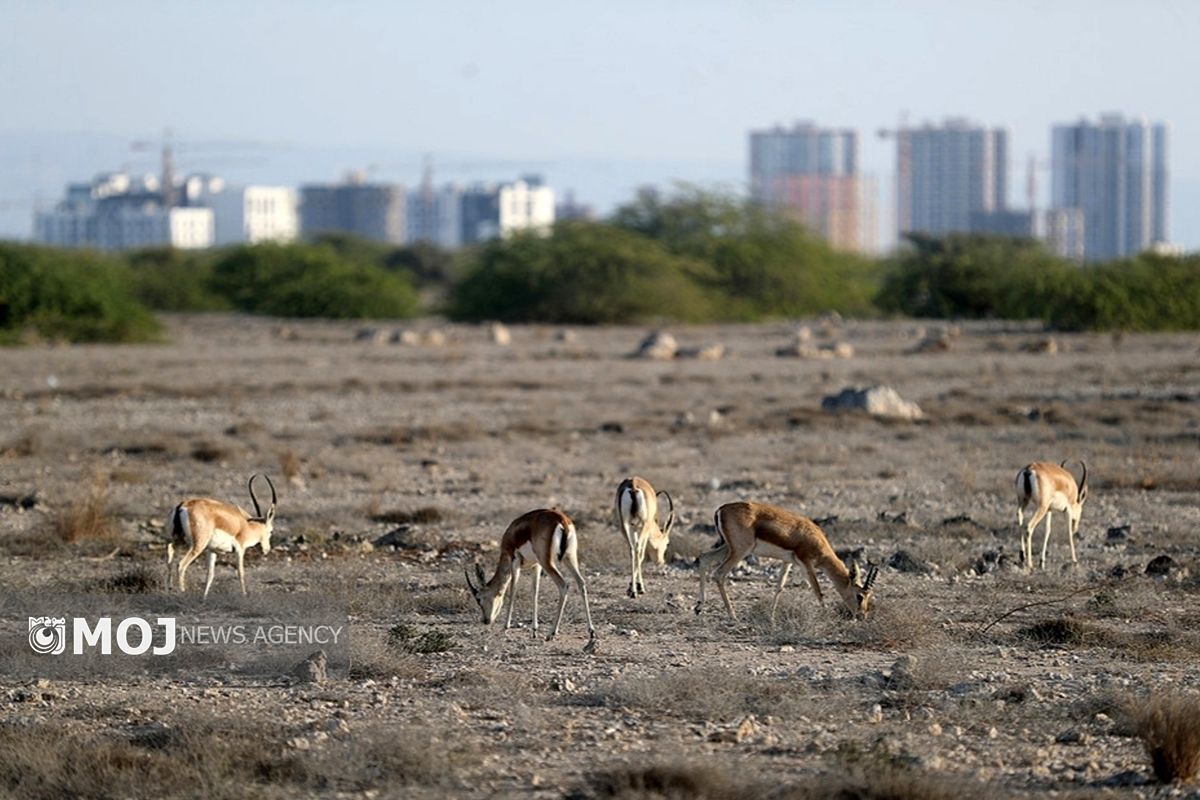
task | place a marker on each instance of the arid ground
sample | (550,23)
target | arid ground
(940,693)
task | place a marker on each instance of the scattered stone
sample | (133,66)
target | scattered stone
(336,727)
(939,340)
(500,334)
(877,401)
(561,683)
(1048,346)
(990,561)
(659,346)
(1074,736)
(435,338)
(1161,566)
(901,674)
(1118,534)
(904,561)
(876,715)
(286,332)
(565,336)
(611,427)
(709,352)
(935,729)
(396,538)
(802,349)
(408,338)
(312,669)
(371,335)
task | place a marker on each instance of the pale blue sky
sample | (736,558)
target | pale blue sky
(601,92)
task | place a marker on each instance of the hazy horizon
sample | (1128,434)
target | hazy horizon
(600,97)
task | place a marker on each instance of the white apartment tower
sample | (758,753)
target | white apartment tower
(1115,172)
(946,173)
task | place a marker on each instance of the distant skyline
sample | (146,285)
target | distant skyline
(597,94)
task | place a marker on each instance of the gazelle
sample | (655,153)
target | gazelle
(546,539)
(1049,488)
(774,532)
(203,524)
(637,514)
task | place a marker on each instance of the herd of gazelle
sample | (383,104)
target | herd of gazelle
(545,539)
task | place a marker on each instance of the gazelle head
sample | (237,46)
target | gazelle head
(1075,510)
(857,595)
(267,520)
(490,599)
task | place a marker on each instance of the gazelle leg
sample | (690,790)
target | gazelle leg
(704,566)
(643,541)
(212,567)
(812,581)
(170,558)
(783,579)
(633,550)
(720,576)
(184,563)
(512,601)
(561,583)
(1045,541)
(241,564)
(1072,528)
(1028,544)
(573,568)
(537,583)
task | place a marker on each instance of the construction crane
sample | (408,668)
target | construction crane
(168,145)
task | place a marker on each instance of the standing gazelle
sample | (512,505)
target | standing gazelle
(1049,488)
(204,524)
(546,539)
(774,532)
(637,514)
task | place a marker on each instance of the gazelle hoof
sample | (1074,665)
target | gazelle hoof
(697,609)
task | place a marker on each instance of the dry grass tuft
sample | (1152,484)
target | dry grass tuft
(290,465)
(426,515)
(88,518)
(140,579)
(1170,729)
(677,781)
(210,452)
(708,693)
(898,624)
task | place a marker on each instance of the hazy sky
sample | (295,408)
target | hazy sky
(654,82)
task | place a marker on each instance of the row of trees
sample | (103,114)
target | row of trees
(690,257)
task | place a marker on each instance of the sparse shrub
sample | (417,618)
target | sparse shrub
(1170,729)
(72,295)
(410,640)
(675,781)
(89,517)
(425,515)
(290,465)
(140,579)
(299,280)
(209,452)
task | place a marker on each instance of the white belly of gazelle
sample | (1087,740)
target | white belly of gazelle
(769,550)
(222,541)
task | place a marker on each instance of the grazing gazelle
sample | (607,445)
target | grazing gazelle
(637,514)
(204,524)
(546,539)
(1049,488)
(765,530)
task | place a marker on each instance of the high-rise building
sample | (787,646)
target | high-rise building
(1115,172)
(492,211)
(117,211)
(374,211)
(250,214)
(811,174)
(435,215)
(946,173)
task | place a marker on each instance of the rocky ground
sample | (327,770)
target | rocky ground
(399,463)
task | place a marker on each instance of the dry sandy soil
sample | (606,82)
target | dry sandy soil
(444,444)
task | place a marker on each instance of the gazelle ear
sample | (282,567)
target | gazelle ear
(872,574)
(855,573)
(471,586)
(479,574)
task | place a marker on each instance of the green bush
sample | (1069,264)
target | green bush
(761,264)
(168,279)
(309,281)
(76,296)
(584,273)
(981,276)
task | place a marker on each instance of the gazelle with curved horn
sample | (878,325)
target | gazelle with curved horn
(637,514)
(203,524)
(1049,488)
(775,532)
(546,539)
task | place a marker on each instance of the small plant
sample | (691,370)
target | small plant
(1170,729)
(89,517)
(407,638)
(139,580)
